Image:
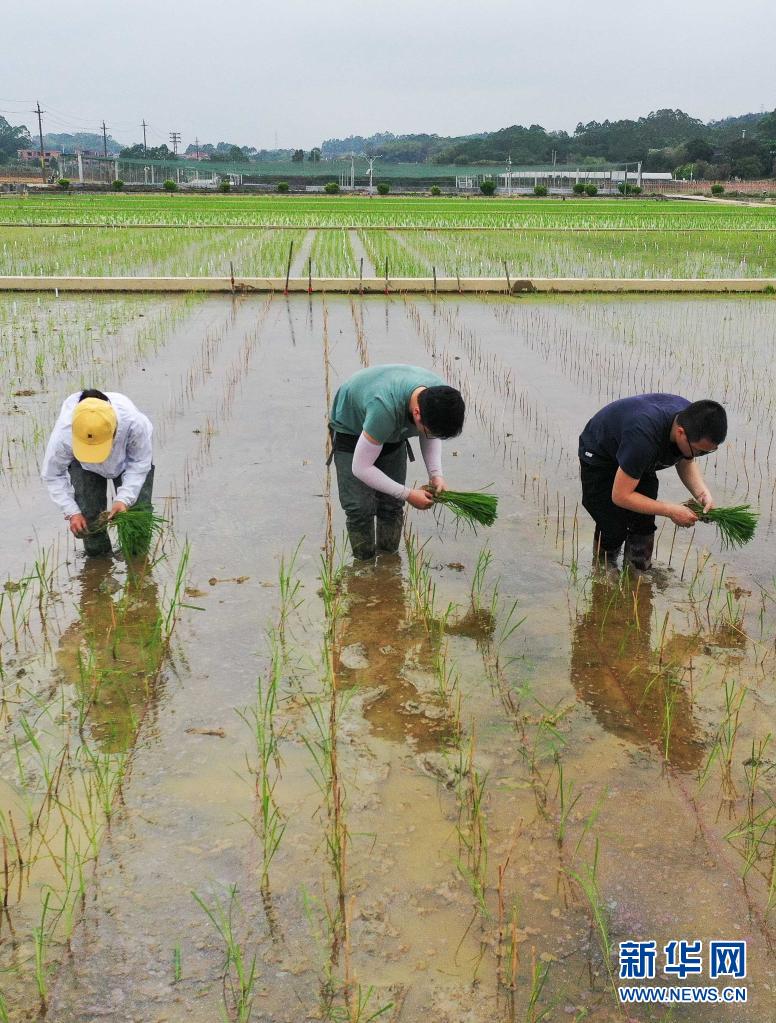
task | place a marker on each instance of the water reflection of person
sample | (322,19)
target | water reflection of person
(627,684)
(383,648)
(112,653)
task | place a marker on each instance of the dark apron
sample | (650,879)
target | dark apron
(347,442)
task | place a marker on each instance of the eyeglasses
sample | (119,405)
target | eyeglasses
(695,454)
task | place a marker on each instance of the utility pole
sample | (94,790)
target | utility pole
(371,161)
(40,136)
(196,143)
(145,147)
(104,141)
(175,137)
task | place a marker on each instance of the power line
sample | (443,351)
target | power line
(175,138)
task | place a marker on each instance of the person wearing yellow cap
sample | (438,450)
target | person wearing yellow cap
(98,437)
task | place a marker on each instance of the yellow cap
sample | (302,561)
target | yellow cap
(94,424)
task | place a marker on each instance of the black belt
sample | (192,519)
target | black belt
(347,442)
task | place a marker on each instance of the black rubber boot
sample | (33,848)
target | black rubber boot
(362,542)
(638,550)
(389,533)
(604,555)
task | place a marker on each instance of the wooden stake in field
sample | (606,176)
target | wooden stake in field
(288,267)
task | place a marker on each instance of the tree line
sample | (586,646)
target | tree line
(664,140)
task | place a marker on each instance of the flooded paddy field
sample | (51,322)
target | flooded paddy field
(721,251)
(248,780)
(394,236)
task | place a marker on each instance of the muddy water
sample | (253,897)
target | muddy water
(587,732)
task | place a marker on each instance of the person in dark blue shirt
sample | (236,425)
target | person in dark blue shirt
(621,450)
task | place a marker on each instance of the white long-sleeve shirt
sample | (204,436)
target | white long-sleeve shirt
(130,457)
(364,468)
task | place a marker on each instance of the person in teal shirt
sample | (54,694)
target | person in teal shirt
(373,416)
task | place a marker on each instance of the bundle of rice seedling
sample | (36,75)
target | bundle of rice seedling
(135,529)
(735,526)
(473,507)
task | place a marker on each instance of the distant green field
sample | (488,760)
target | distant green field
(388,212)
(207,235)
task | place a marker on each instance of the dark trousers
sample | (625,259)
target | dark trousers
(91,496)
(614,525)
(374,520)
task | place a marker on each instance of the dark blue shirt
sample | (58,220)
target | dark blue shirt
(634,434)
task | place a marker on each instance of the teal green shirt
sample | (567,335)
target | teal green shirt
(376,401)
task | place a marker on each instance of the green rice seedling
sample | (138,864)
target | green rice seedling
(260,718)
(725,737)
(599,917)
(755,840)
(289,585)
(422,590)
(471,507)
(177,970)
(359,1007)
(40,935)
(539,973)
(135,529)
(735,525)
(566,801)
(484,561)
(239,972)
(473,827)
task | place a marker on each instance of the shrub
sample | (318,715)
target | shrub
(488,187)
(170,185)
(624,189)
(383,188)
(224,185)
(540,190)
(591,189)
(717,189)
(579,188)
(64,184)
(436,190)
(331,188)
(117,185)
(282,186)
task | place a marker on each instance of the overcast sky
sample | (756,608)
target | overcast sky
(294,73)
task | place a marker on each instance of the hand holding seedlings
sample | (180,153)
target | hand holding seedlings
(681,515)
(420,499)
(117,508)
(77,524)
